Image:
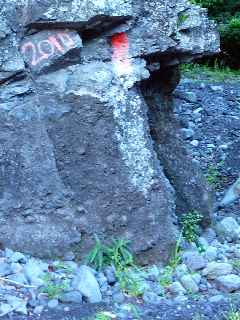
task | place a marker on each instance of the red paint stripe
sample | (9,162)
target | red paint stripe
(120,56)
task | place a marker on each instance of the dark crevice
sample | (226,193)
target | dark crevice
(170,147)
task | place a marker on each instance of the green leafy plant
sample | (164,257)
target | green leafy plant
(117,254)
(104,316)
(165,279)
(190,222)
(176,256)
(52,288)
(182,17)
(198,316)
(133,310)
(60,266)
(233,314)
(98,255)
(214,176)
(236,264)
(131,283)
(215,73)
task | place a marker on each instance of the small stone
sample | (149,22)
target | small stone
(223,147)
(153,273)
(5,308)
(52,304)
(211,253)
(33,303)
(5,269)
(216,88)
(189,284)
(176,288)
(216,299)
(181,299)
(16,267)
(38,310)
(19,305)
(156,288)
(229,283)
(33,272)
(209,235)
(194,260)
(181,270)
(191,97)
(118,297)
(210,146)
(86,283)
(110,274)
(69,256)
(197,278)
(195,143)
(187,133)
(102,281)
(203,242)
(228,227)
(43,299)
(216,269)
(71,297)
(152,298)
(18,278)
(8,253)
(66,309)
(18,257)
(237,251)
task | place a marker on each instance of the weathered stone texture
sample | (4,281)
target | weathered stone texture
(79,135)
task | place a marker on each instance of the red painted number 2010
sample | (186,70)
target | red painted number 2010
(48,47)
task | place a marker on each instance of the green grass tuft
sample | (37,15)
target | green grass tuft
(217,74)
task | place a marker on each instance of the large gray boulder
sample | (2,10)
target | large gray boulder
(78,149)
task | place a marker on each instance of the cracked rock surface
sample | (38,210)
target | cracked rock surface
(85,96)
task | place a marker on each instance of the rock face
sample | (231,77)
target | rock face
(84,150)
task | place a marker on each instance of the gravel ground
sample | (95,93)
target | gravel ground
(205,286)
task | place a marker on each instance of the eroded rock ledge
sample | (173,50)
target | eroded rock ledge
(89,144)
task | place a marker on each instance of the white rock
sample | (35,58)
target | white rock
(216,88)
(229,228)
(194,260)
(209,235)
(86,283)
(38,310)
(71,297)
(216,269)
(187,133)
(18,257)
(211,253)
(197,278)
(5,308)
(34,272)
(176,288)
(203,242)
(229,283)
(195,143)
(181,270)
(19,305)
(181,298)
(189,284)
(52,304)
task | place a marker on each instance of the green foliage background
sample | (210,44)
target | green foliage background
(227,14)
